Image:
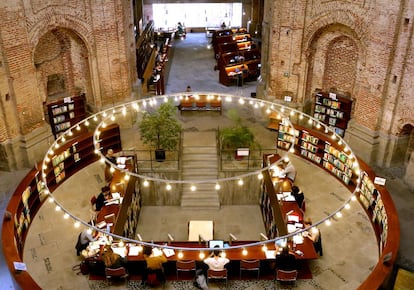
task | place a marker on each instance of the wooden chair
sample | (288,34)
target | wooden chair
(185,266)
(286,277)
(117,273)
(251,266)
(217,275)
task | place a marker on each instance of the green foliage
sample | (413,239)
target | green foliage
(237,137)
(160,128)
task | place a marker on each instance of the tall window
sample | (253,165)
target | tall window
(197,14)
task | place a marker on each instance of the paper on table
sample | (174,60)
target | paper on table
(270,254)
(134,251)
(19,266)
(168,252)
(119,250)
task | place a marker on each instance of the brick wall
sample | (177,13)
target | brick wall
(85,41)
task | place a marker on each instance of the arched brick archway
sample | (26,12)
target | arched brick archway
(340,64)
(333,56)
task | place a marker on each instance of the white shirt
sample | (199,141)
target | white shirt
(216,263)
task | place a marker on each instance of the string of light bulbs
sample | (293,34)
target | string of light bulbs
(101,119)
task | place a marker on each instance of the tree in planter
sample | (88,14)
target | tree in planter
(238,136)
(160,129)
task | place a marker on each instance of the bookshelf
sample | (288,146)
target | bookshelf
(65,113)
(333,110)
(79,152)
(310,147)
(338,162)
(286,135)
(30,200)
(370,198)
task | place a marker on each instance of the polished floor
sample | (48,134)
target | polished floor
(350,250)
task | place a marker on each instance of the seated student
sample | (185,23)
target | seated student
(314,235)
(110,156)
(215,261)
(111,259)
(286,260)
(289,170)
(102,197)
(299,196)
(154,264)
(84,238)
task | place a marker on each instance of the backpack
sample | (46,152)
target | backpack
(200,281)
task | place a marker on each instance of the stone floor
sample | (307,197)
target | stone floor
(350,250)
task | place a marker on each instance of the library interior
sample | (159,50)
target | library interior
(202,159)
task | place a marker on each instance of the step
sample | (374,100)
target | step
(199,156)
(211,164)
(199,149)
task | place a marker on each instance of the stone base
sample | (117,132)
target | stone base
(26,151)
(364,142)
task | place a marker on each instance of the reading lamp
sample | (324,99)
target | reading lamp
(263,237)
(200,239)
(170,238)
(232,238)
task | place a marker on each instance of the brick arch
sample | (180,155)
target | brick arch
(346,19)
(340,64)
(49,21)
(317,48)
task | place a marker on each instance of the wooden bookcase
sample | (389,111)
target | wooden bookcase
(79,152)
(286,134)
(65,113)
(317,148)
(144,48)
(333,110)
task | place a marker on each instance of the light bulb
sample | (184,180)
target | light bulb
(244,252)
(146,183)
(217,186)
(168,187)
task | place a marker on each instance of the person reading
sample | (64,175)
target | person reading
(215,261)
(299,196)
(155,261)
(102,197)
(111,259)
(286,260)
(314,235)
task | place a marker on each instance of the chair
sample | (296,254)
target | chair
(217,275)
(318,245)
(93,208)
(116,273)
(185,266)
(250,265)
(286,277)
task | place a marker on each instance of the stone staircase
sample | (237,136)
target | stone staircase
(200,163)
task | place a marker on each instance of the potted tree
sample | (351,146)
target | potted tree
(238,136)
(160,129)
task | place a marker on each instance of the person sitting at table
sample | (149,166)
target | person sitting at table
(286,260)
(215,262)
(111,259)
(112,158)
(314,234)
(155,263)
(289,170)
(299,196)
(84,238)
(102,197)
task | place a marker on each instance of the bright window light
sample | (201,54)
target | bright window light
(197,14)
